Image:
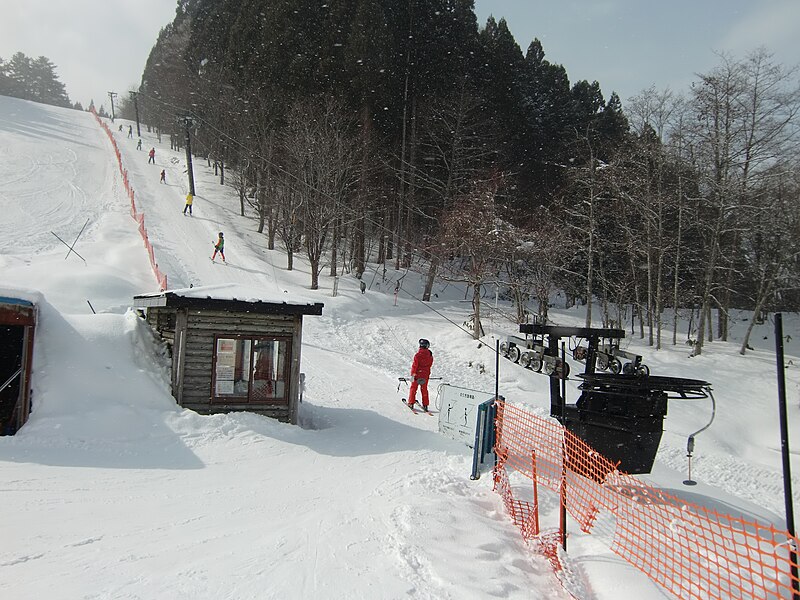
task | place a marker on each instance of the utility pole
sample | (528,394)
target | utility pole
(112,95)
(188,123)
(136,108)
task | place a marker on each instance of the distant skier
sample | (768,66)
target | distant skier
(219,247)
(363,287)
(120,126)
(163,176)
(130,131)
(420,373)
(152,155)
(139,144)
(189,200)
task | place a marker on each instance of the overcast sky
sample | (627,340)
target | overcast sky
(97,46)
(626,45)
(629,45)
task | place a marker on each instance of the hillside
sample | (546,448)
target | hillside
(113,491)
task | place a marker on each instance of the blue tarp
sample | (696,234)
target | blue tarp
(19,301)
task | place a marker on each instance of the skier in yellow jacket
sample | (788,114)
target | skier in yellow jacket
(189,200)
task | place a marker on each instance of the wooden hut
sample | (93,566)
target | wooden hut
(230,354)
(17,327)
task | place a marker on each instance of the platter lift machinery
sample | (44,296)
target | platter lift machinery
(621,408)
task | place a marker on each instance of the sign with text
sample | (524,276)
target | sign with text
(458,415)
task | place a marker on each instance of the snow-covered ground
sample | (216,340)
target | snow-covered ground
(113,491)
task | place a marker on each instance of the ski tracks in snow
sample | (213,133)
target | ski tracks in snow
(43,191)
(760,485)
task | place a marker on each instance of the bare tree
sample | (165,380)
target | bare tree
(746,116)
(455,151)
(679,150)
(772,243)
(581,209)
(321,157)
(289,202)
(474,231)
(239,179)
(651,108)
(537,257)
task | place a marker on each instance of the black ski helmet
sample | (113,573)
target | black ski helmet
(423,343)
(220,234)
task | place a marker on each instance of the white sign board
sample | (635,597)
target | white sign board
(458,415)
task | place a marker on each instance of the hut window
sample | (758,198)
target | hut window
(251,369)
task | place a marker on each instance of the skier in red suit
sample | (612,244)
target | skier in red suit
(420,373)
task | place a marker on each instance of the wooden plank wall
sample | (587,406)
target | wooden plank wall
(163,321)
(199,353)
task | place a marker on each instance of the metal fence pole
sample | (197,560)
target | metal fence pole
(787,475)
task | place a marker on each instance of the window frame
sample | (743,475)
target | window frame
(253,338)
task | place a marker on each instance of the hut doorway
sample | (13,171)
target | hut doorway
(12,349)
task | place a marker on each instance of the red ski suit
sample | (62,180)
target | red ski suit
(420,372)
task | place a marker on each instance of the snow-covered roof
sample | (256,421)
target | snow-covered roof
(230,297)
(16,295)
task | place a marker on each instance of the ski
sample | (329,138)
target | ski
(409,406)
(414,409)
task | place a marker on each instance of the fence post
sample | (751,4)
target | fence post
(563,492)
(478,443)
(562,520)
(535,473)
(488,433)
(787,474)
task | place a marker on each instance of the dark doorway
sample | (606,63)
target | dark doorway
(11,352)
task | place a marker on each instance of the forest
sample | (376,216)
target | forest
(409,135)
(32,79)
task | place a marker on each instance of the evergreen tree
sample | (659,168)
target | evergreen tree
(587,103)
(501,66)
(36,80)
(612,126)
(21,73)
(370,69)
(7,82)
(548,124)
(46,87)
(167,88)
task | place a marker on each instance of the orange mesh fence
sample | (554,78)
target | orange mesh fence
(139,217)
(524,514)
(690,550)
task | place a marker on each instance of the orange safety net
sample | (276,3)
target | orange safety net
(139,217)
(690,550)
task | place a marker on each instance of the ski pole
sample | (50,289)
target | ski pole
(401,380)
